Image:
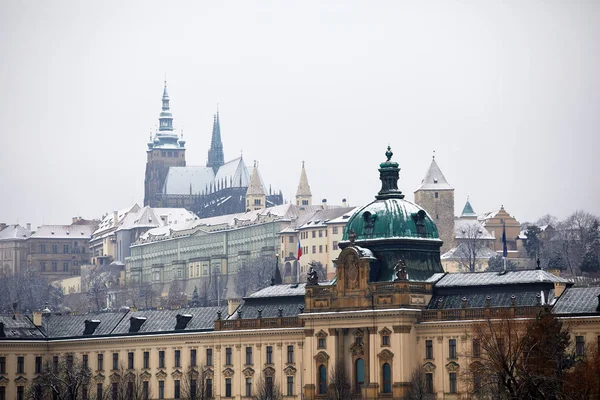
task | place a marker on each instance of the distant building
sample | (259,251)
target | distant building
(495,222)
(219,188)
(103,241)
(13,248)
(436,196)
(59,251)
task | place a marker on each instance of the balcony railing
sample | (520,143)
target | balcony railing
(259,323)
(480,313)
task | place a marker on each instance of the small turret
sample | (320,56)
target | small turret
(256,197)
(303,194)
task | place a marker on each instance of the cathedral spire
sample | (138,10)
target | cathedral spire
(215,155)
(303,194)
(165,118)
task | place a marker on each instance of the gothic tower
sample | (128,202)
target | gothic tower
(165,150)
(256,197)
(216,157)
(436,196)
(303,194)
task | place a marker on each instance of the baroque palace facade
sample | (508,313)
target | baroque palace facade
(389,310)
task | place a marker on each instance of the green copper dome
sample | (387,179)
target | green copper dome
(396,231)
(390,216)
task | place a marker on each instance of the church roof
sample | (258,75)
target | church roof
(182,180)
(303,186)
(256,187)
(236,172)
(434,179)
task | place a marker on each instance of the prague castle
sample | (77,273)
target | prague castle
(390,310)
(218,188)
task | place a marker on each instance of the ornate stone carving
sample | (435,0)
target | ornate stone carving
(400,271)
(312,278)
(385,355)
(309,332)
(440,339)
(289,371)
(429,367)
(357,349)
(452,366)
(114,377)
(99,378)
(228,372)
(321,334)
(161,374)
(269,372)
(146,376)
(4,380)
(352,276)
(21,380)
(248,372)
(321,357)
(208,372)
(177,374)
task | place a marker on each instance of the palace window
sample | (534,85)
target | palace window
(321,343)
(579,346)
(161,389)
(322,379)
(43,248)
(429,383)
(335,245)
(99,394)
(43,266)
(429,349)
(177,388)
(314,249)
(248,355)
(290,354)
(291,239)
(452,378)
(359,374)
(193,357)
(452,348)
(209,388)
(84,360)
(385,340)
(320,233)
(314,234)
(20,392)
(436,195)
(2,365)
(320,248)
(177,358)
(66,248)
(227,387)
(65,266)
(228,357)
(146,359)
(20,364)
(387,378)
(130,360)
(248,387)
(54,266)
(145,390)
(209,357)
(476,348)
(161,359)
(38,365)
(290,385)
(54,249)
(269,354)
(100,362)
(115,361)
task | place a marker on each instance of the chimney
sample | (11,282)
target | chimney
(37,318)
(182,321)
(90,326)
(2,334)
(324,203)
(28,226)
(232,305)
(344,202)
(74,220)
(559,288)
(115,218)
(135,323)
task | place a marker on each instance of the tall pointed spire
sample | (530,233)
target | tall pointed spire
(165,118)
(468,211)
(216,157)
(255,195)
(434,178)
(303,194)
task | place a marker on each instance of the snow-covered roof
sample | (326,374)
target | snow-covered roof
(497,278)
(149,217)
(14,232)
(462,250)
(83,232)
(108,222)
(324,216)
(434,179)
(470,229)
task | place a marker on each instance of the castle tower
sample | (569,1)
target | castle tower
(303,194)
(165,150)
(216,158)
(436,196)
(468,212)
(256,197)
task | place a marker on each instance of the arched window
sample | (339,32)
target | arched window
(387,378)
(359,374)
(322,379)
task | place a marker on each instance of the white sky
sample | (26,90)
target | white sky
(507,94)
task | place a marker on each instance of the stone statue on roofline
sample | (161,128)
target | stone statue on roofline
(400,271)
(312,278)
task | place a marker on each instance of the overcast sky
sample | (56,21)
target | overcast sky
(506,93)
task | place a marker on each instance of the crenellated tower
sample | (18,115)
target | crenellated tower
(216,158)
(166,149)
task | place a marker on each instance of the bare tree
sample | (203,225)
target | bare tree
(195,384)
(339,383)
(147,294)
(267,389)
(255,275)
(62,378)
(27,290)
(176,297)
(470,245)
(128,385)
(97,283)
(417,386)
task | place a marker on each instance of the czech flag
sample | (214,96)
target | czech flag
(299,250)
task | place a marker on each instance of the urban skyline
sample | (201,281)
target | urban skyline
(510,113)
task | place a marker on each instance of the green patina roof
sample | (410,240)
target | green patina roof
(468,209)
(390,218)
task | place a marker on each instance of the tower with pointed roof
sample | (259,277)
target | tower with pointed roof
(303,194)
(436,196)
(256,197)
(166,149)
(468,212)
(216,158)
